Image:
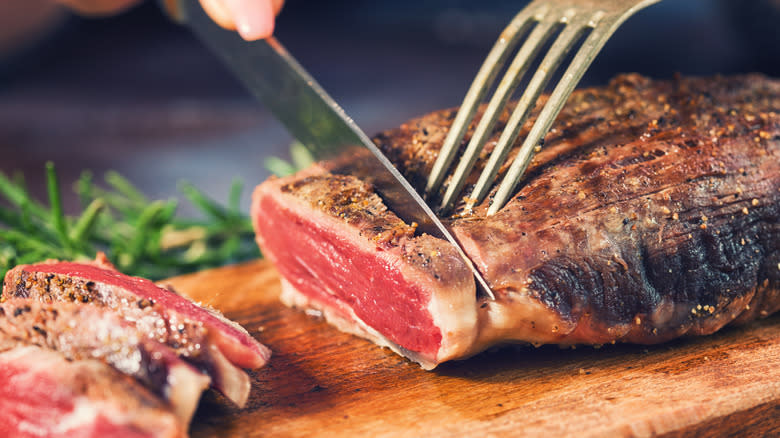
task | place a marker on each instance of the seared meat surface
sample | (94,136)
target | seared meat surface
(172,318)
(150,352)
(202,336)
(81,332)
(651,211)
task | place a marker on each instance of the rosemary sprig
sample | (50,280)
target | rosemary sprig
(140,236)
(300,158)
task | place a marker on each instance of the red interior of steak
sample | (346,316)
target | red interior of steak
(110,340)
(337,271)
(40,399)
(237,345)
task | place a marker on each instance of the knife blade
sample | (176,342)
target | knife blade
(277,80)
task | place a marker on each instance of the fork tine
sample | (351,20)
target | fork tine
(484,78)
(571,77)
(570,34)
(527,53)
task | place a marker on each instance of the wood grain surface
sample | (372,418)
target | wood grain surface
(321,382)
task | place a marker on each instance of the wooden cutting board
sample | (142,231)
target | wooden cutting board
(321,382)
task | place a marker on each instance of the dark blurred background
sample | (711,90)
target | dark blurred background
(138,94)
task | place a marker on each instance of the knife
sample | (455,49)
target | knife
(277,80)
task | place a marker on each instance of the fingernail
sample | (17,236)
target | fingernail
(254,18)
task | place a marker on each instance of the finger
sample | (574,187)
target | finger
(219,12)
(277,6)
(254,19)
(251,18)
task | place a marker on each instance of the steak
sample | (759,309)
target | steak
(109,339)
(42,394)
(202,336)
(650,212)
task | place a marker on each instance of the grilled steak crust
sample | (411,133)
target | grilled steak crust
(650,212)
(141,300)
(109,339)
(202,336)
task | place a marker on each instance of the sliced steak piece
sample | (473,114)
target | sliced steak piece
(42,394)
(652,211)
(80,332)
(201,335)
(339,250)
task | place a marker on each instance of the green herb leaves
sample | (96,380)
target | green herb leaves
(142,237)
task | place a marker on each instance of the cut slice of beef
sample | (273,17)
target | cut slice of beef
(202,336)
(652,211)
(339,250)
(81,332)
(42,394)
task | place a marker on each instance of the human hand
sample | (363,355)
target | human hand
(253,19)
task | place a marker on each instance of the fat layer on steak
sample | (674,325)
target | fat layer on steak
(650,212)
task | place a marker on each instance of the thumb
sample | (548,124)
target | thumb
(253,19)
